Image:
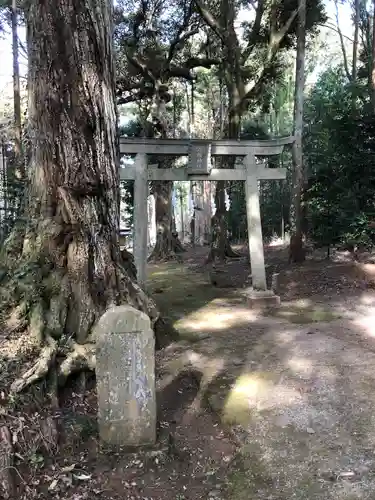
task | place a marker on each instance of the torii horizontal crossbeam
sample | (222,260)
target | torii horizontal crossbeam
(181,147)
(225,174)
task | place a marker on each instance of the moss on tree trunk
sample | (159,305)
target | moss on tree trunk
(62,266)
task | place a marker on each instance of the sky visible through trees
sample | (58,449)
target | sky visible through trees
(6,51)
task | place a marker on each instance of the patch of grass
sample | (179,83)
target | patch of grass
(178,291)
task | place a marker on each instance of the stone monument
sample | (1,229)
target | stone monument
(125,373)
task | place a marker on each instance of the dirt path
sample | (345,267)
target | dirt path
(250,406)
(294,389)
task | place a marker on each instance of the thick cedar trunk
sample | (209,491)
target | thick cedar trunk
(167,243)
(296,250)
(63,262)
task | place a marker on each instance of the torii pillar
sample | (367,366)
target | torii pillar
(258,295)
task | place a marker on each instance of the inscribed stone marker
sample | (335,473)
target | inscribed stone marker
(125,373)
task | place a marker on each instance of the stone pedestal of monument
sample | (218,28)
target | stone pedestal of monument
(261,299)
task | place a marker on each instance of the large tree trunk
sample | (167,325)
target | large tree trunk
(167,246)
(62,265)
(296,250)
(220,247)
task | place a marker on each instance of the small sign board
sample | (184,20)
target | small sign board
(199,158)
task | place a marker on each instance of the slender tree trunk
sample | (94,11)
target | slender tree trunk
(355,40)
(167,243)
(356,7)
(296,251)
(17,94)
(342,43)
(62,261)
(17,175)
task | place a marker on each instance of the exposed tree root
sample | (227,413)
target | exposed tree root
(50,293)
(220,247)
(167,247)
(39,369)
(81,358)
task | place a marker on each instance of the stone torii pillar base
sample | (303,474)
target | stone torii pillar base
(260,300)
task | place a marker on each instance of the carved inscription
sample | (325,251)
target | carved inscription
(199,158)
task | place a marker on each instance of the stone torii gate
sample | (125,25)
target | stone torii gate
(200,168)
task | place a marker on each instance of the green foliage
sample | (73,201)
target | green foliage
(339,145)
(272,196)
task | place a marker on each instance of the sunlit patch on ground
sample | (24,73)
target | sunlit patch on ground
(366,323)
(255,392)
(304,312)
(298,398)
(214,317)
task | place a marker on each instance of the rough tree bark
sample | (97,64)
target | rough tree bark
(61,264)
(167,245)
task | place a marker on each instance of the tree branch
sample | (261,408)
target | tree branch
(180,37)
(196,62)
(346,65)
(128,99)
(123,85)
(179,40)
(141,66)
(209,19)
(184,71)
(254,31)
(333,28)
(273,47)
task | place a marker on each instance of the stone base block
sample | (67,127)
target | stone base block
(262,299)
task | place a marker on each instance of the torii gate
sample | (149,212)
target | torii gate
(200,168)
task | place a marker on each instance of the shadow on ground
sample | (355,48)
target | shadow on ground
(251,407)
(293,389)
